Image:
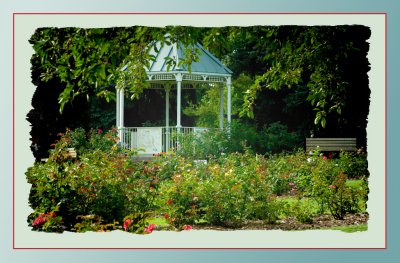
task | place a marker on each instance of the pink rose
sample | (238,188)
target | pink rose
(149,229)
(127,223)
(187,227)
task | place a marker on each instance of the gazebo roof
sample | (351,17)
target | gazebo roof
(207,63)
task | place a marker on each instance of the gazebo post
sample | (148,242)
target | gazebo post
(178,100)
(229,109)
(117,108)
(121,116)
(167,90)
(221,107)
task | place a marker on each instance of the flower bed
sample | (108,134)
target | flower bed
(104,189)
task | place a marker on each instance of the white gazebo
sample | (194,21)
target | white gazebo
(208,71)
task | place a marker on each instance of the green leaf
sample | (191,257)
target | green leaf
(100,70)
(323,122)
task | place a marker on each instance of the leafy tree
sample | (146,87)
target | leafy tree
(315,57)
(275,70)
(86,61)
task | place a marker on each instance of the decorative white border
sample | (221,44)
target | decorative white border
(24,27)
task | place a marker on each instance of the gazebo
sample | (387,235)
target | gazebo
(206,71)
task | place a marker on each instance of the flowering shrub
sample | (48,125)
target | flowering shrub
(353,165)
(47,222)
(95,139)
(107,184)
(179,197)
(149,229)
(93,223)
(96,191)
(187,227)
(328,187)
(302,210)
(236,184)
(288,173)
(138,223)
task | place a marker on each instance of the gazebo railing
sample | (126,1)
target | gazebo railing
(164,139)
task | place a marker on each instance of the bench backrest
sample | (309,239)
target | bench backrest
(331,144)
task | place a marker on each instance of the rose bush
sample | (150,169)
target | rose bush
(105,188)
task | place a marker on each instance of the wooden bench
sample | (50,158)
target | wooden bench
(331,144)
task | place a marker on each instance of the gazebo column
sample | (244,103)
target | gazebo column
(221,108)
(167,90)
(117,108)
(121,116)
(229,109)
(178,99)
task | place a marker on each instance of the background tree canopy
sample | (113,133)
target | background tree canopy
(308,79)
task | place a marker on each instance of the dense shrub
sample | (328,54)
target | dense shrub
(329,188)
(105,184)
(302,210)
(224,192)
(354,165)
(241,137)
(86,142)
(276,138)
(106,189)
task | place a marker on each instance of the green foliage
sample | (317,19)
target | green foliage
(237,185)
(105,189)
(240,137)
(93,223)
(329,188)
(180,198)
(202,145)
(47,222)
(311,56)
(207,111)
(102,183)
(136,222)
(354,165)
(89,59)
(288,173)
(276,138)
(84,142)
(302,210)
(101,113)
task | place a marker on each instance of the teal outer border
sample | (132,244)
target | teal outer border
(390,7)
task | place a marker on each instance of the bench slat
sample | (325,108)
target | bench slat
(331,144)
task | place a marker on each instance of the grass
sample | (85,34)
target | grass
(350,229)
(354,183)
(291,201)
(159,221)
